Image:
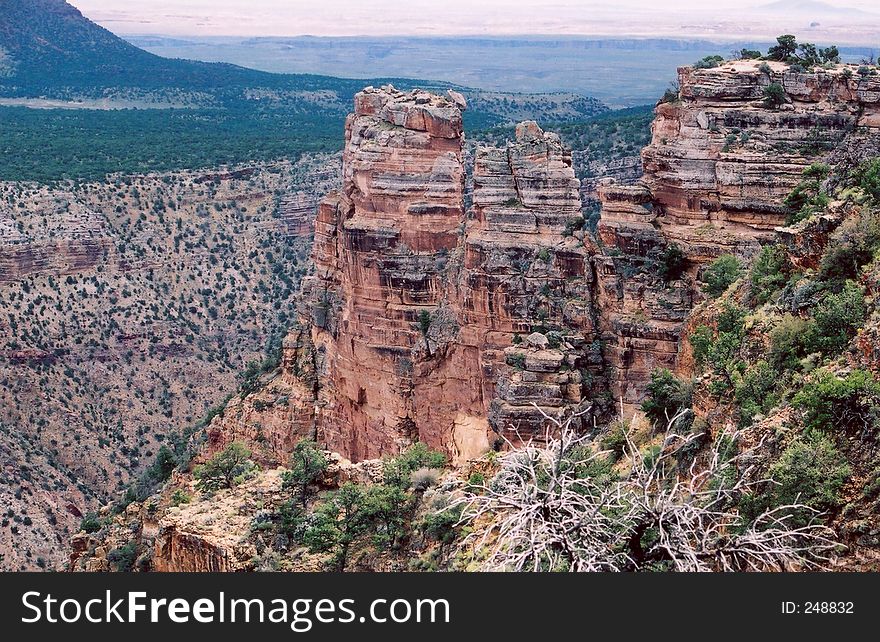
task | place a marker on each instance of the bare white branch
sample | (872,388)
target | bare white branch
(554,506)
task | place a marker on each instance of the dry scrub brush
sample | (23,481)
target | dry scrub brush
(559,506)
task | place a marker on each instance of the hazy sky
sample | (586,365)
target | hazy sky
(407,17)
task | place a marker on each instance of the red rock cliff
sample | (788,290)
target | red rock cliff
(422,315)
(719,165)
(381,247)
(458,328)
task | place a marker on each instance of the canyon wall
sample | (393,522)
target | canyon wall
(381,248)
(127,310)
(465,327)
(468,327)
(424,315)
(720,163)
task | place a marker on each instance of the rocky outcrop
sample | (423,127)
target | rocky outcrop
(718,168)
(416,305)
(73,238)
(181,529)
(523,276)
(381,245)
(277,415)
(465,328)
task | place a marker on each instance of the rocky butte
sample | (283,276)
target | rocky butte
(463,326)
(466,322)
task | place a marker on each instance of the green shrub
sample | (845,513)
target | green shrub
(650,455)
(836,319)
(517,360)
(224,468)
(867,177)
(833,404)
(338,523)
(91,523)
(755,391)
(292,520)
(701,340)
(808,197)
(123,558)
(180,497)
(731,319)
(671,263)
(388,508)
(441,525)
(573,225)
(476,479)
(709,62)
(666,396)
(424,322)
(720,274)
(672,94)
(784,48)
(307,465)
(615,439)
(721,347)
(420,456)
(852,246)
(162,467)
(774,95)
(769,273)
(788,342)
(398,471)
(811,471)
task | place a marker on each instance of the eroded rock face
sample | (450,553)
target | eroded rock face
(416,306)
(521,272)
(427,320)
(275,417)
(72,239)
(718,168)
(380,252)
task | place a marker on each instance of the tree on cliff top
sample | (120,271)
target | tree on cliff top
(784,49)
(788,50)
(307,464)
(224,468)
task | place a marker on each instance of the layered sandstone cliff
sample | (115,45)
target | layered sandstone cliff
(461,327)
(433,324)
(718,168)
(381,247)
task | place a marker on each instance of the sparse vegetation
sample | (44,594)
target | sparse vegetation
(720,275)
(809,196)
(774,95)
(768,273)
(228,467)
(666,398)
(671,263)
(708,62)
(307,464)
